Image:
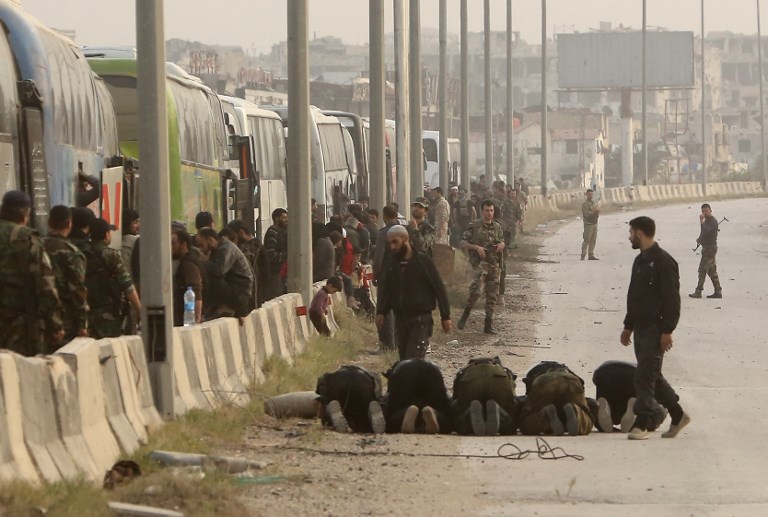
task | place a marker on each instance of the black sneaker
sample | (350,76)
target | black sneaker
(571,421)
(476,418)
(695,294)
(492,418)
(555,425)
(716,294)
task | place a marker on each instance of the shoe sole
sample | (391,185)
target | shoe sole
(376,417)
(604,418)
(476,418)
(492,418)
(555,425)
(679,427)
(571,422)
(629,416)
(409,420)
(336,415)
(431,426)
(639,436)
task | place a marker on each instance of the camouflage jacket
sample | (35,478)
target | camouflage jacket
(422,238)
(512,213)
(29,305)
(481,234)
(589,216)
(107,281)
(69,267)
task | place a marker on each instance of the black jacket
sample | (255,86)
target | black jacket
(413,288)
(708,235)
(654,291)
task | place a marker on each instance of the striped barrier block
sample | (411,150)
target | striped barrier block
(83,358)
(15,459)
(197,365)
(127,436)
(277,330)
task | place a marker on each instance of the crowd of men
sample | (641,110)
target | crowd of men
(72,283)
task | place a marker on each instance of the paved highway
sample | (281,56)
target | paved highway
(719,464)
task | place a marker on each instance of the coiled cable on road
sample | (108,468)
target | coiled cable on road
(507,451)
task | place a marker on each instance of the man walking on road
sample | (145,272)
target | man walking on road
(442,216)
(422,234)
(653,311)
(589,212)
(412,288)
(484,240)
(708,242)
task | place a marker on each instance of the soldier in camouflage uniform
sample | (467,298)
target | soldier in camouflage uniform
(30,317)
(590,213)
(107,282)
(69,267)
(420,232)
(484,240)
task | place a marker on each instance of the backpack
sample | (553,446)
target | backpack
(545,367)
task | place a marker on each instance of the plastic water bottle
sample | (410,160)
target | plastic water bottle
(189,307)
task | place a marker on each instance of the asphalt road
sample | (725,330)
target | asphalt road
(719,464)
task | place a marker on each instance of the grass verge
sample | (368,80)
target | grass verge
(187,490)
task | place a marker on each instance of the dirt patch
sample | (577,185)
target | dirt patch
(325,473)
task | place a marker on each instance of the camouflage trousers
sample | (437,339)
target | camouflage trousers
(484,278)
(104,324)
(557,388)
(708,267)
(590,240)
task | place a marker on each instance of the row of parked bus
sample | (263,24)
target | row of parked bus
(67,112)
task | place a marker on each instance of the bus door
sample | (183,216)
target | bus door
(34,179)
(244,191)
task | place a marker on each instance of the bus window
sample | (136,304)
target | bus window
(332,143)
(430,149)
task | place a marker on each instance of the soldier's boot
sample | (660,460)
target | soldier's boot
(555,425)
(488,329)
(463,320)
(571,421)
(695,294)
(718,288)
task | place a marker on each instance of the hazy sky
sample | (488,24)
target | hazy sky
(260,23)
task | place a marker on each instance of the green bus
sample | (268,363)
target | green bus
(197,140)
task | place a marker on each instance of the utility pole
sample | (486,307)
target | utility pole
(155,253)
(401,107)
(645,94)
(510,110)
(414,75)
(378,156)
(703,108)
(465,177)
(299,176)
(762,99)
(489,172)
(544,129)
(443,95)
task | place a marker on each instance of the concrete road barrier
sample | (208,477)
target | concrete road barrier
(82,356)
(197,365)
(122,428)
(277,329)
(15,459)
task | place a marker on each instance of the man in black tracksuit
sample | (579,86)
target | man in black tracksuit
(653,311)
(411,288)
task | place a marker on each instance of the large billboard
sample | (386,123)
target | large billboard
(612,60)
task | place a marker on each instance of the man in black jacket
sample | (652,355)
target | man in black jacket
(653,311)
(276,249)
(708,242)
(411,288)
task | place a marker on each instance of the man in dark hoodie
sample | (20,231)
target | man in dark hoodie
(412,288)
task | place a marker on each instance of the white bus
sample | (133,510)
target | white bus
(330,162)
(264,128)
(431,143)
